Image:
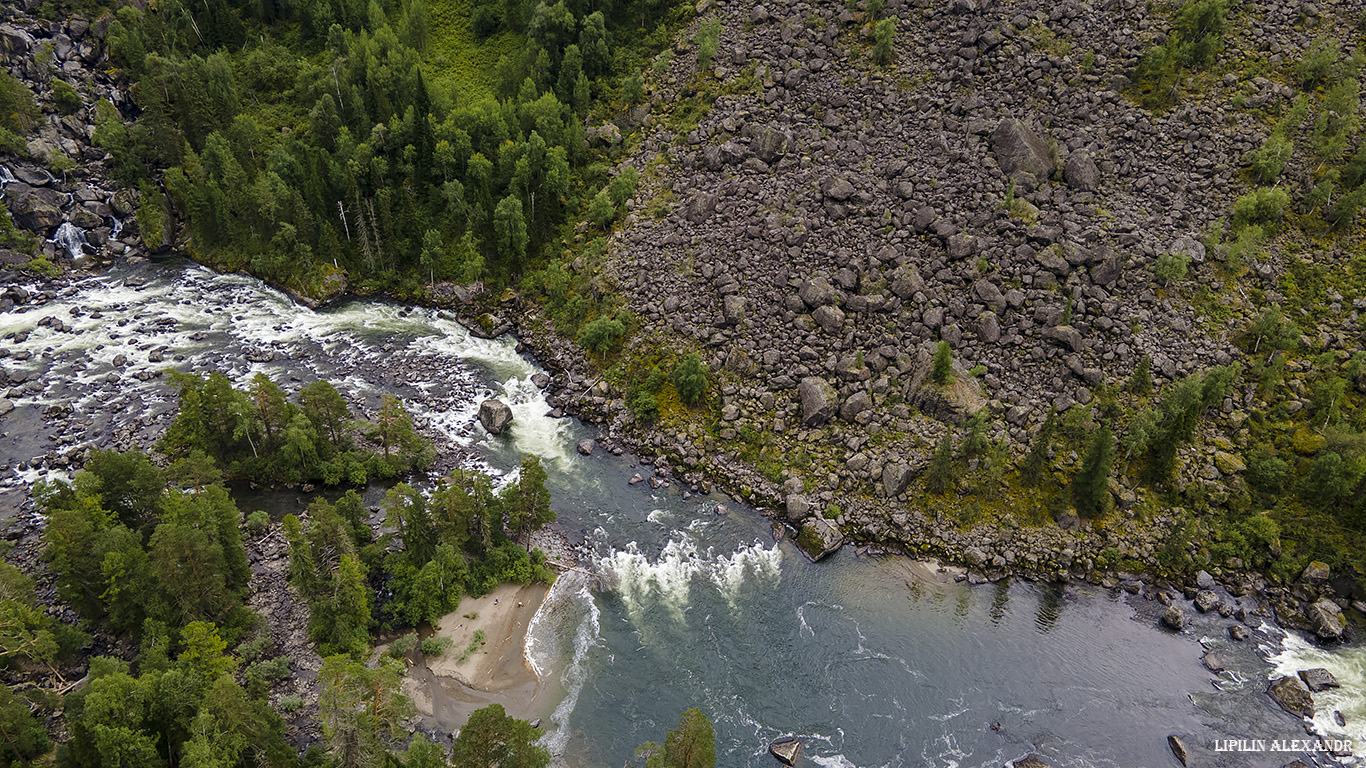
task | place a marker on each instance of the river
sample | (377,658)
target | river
(872,661)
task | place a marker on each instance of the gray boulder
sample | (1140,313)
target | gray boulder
(1081,172)
(495,415)
(1318,679)
(829,317)
(1174,618)
(37,209)
(1206,600)
(1019,149)
(837,189)
(733,309)
(587,445)
(906,281)
(699,207)
(1238,632)
(895,478)
(1178,748)
(818,401)
(819,537)
(1292,695)
(855,404)
(1067,336)
(798,508)
(785,750)
(1316,572)
(770,144)
(1326,619)
(817,292)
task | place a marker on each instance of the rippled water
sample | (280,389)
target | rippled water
(872,662)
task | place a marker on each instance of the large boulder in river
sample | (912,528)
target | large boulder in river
(1019,149)
(818,401)
(1318,679)
(1326,619)
(495,415)
(819,537)
(785,750)
(1292,695)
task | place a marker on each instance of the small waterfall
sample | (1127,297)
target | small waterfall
(6,176)
(70,237)
(115,227)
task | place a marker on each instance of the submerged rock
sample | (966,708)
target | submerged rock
(1292,695)
(1178,748)
(785,750)
(495,415)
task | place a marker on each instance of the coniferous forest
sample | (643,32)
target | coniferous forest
(390,143)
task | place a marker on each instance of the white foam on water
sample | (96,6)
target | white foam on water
(732,572)
(833,761)
(668,578)
(1348,665)
(547,644)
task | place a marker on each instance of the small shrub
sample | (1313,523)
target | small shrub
(884,35)
(1172,267)
(258,523)
(403,645)
(1265,205)
(690,379)
(601,334)
(601,212)
(1269,161)
(64,97)
(436,646)
(476,642)
(291,703)
(708,41)
(1319,62)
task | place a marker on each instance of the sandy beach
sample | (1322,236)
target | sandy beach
(447,690)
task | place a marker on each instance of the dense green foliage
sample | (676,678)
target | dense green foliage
(17,113)
(690,379)
(304,139)
(1195,38)
(490,737)
(943,363)
(127,547)
(463,537)
(691,745)
(259,434)
(184,707)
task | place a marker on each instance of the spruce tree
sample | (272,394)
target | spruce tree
(939,474)
(1036,461)
(1091,486)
